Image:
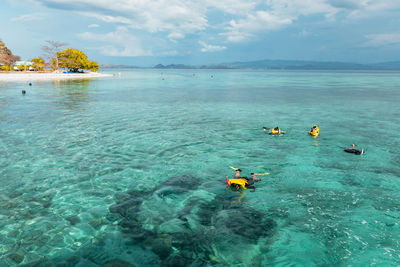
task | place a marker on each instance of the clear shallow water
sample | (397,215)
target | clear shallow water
(133,169)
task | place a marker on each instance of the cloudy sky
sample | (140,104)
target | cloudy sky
(147,32)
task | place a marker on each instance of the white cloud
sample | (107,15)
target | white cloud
(261,20)
(175,35)
(107,18)
(230,20)
(127,51)
(236,7)
(211,48)
(276,15)
(176,18)
(152,16)
(28,17)
(365,9)
(243,29)
(383,39)
(236,36)
(296,8)
(347,4)
(93,26)
(120,43)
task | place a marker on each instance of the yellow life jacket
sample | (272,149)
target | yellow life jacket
(273,131)
(314,132)
(241,182)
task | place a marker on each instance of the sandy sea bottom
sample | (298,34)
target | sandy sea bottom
(131,171)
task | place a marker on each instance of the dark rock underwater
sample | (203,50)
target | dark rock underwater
(207,226)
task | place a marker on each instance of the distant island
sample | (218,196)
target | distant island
(278,65)
(312,65)
(182,66)
(119,66)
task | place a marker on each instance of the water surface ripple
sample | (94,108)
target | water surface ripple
(131,170)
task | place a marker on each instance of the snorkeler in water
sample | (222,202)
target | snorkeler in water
(273,131)
(237,173)
(240,181)
(353,150)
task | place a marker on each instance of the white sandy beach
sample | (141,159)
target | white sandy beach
(34,76)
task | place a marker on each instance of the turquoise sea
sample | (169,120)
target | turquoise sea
(130,170)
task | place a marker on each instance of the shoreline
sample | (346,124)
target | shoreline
(24,76)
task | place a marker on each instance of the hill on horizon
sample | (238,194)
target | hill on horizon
(313,65)
(290,65)
(268,64)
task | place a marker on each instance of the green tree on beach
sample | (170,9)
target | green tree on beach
(38,64)
(21,67)
(94,66)
(75,60)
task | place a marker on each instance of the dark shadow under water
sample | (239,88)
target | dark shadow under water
(214,231)
(218,221)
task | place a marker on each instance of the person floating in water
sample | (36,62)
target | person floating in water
(314,131)
(353,150)
(273,131)
(254,177)
(242,182)
(237,173)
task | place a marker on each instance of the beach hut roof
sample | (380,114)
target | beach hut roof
(23,63)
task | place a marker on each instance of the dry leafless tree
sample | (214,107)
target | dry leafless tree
(50,52)
(6,56)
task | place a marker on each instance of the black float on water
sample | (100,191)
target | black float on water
(23,92)
(30,84)
(354,151)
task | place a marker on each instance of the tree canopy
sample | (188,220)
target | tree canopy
(38,64)
(75,60)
